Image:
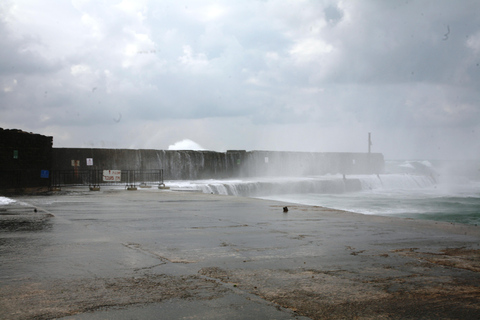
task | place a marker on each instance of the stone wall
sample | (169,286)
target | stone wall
(191,165)
(25,160)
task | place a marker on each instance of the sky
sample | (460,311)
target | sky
(286,75)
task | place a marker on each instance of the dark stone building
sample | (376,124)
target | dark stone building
(25,161)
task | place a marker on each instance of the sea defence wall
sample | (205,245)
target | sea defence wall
(192,165)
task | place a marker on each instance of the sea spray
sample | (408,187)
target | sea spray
(262,186)
(409,189)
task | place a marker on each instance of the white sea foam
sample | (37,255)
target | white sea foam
(5,200)
(328,184)
(185,144)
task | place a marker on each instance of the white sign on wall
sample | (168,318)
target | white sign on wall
(89,161)
(112,175)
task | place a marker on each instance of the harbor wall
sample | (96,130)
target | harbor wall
(192,165)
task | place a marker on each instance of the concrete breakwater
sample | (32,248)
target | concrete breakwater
(192,165)
(139,255)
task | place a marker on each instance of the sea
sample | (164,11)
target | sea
(417,189)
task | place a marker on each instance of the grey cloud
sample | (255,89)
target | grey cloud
(333,14)
(405,43)
(405,69)
(17,58)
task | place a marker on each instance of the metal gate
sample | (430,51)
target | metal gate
(96,178)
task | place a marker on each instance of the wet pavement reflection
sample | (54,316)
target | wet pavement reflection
(122,254)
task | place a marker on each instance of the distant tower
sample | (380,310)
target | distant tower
(369,142)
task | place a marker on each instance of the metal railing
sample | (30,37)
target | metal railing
(95,178)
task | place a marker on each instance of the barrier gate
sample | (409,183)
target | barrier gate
(96,178)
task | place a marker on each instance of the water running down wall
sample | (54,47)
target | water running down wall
(193,165)
(332,184)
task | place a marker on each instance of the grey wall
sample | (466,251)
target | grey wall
(189,165)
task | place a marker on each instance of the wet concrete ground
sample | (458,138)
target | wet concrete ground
(156,254)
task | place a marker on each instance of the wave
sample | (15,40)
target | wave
(397,182)
(5,200)
(400,178)
(332,184)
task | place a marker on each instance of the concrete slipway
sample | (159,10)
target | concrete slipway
(157,254)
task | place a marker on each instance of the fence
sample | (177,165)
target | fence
(95,178)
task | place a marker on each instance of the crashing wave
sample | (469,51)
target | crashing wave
(321,184)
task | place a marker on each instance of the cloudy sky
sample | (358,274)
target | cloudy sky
(286,75)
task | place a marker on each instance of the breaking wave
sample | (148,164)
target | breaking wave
(320,184)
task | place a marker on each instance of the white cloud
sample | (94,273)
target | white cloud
(93,25)
(310,50)
(79,69)
(212,12)
(473,42)
(193,62)
(9,85)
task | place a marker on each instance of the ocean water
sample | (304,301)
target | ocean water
(432,190)
(419,204)
(441,191)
